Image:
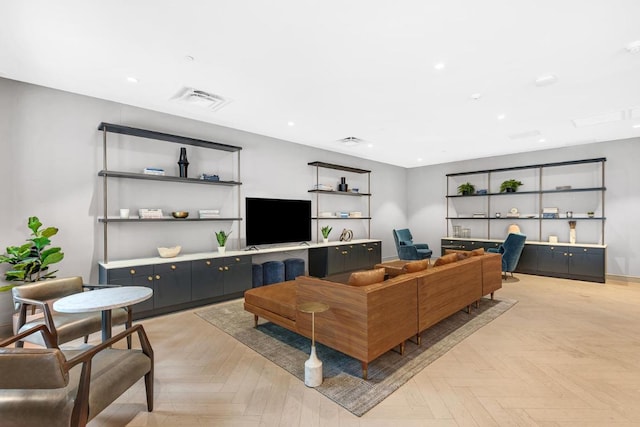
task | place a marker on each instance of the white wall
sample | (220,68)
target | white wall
(51,153)
(427,206)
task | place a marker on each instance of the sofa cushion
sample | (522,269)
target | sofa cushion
(446,259)
(364,278)
(413,266)
(279,298)
(476,252)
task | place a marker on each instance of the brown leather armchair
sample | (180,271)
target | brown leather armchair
(48,386)
(35,302)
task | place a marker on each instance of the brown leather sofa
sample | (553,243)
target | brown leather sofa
(365,322)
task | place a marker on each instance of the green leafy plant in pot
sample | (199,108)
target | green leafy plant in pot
(221,237)
(510,186)
(30,262)
(325,233)
(466,189)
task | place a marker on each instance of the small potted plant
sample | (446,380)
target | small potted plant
(221,237)
(466,189)
(325,233)
(30,262)
(590,214)
(510,186)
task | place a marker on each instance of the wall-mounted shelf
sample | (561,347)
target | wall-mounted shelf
(318,193)
(107,174)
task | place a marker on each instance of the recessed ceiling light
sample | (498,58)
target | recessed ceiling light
(419,159)
(636,126)
(546,80)
(476,96)
(542,140)
(439,66)
(189,58)
(501,116)
(291,124)
(369,145)
(634,47)
(132,80)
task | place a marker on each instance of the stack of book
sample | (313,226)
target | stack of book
(550,213)
(208,213)
(323,187)
(153,171)
(207,177)
(150,213)
(479,215)
(342,214)
(355,214)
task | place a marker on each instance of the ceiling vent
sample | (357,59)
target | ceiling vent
(200,98)
(350,141)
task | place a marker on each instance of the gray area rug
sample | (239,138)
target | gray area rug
(343,381)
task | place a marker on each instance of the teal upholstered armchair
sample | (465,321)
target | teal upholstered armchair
(510,250)
(407,249)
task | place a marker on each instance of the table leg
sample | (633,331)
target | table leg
(106,325)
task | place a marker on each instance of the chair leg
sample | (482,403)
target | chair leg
(491,295)
(148,385)
(255,320)
(365,370)
(86,339)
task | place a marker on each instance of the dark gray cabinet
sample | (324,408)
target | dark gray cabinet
(131,276)
(572,262)
(329,260)
(172,284)
(206,278)
(568,262)
(183,284)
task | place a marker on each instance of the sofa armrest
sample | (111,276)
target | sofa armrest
(421,246)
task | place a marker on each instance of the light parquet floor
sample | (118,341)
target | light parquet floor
(567,355)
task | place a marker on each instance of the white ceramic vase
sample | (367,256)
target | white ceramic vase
(221,249)
(325,240)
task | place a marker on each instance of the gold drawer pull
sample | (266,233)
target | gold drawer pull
(150,278)
(132,271)
(173,267)
(208,262)
(157,277)
(226,268)
(220,269)
(237,259)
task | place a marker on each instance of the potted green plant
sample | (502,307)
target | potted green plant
(325,233)
(221,237)
(466,189)
(30,262)
(510,186)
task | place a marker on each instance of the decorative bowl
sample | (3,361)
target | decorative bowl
(180,214)
(169,252)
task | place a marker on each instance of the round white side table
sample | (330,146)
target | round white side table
(313,365)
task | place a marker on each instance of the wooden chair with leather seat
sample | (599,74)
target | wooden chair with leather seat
(53,387)
(35,307)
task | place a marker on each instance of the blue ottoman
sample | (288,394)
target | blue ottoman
(272,272)
(293,267)
(256,278)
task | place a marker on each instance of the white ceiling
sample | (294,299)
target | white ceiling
(362,68)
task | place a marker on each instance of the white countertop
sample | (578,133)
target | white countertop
(204,255)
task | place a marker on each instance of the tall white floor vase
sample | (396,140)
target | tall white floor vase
(313,370)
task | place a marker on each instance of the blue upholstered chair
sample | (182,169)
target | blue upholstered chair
(510,250)
(407,249)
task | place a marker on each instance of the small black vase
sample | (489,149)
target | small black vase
(183,163)
(343,186)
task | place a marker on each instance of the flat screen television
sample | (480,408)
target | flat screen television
(271,221)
